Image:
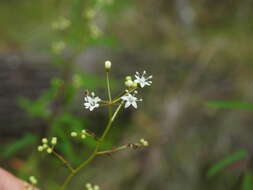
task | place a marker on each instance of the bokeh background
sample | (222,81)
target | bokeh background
(197,115)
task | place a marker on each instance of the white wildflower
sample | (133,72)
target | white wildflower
(142,80)
(130,100)
(91,102)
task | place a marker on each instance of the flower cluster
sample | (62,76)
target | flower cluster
(82,134)
(90,187)
(129,98)
(45,145)
(61,24)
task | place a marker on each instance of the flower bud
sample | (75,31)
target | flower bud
(88,185)
(83,136)
(54,141)
(44,141)
(33,180)
(144,142)
(129,83)
(40,148)
(134,85)
(73,134)
(128,78)
(108,65)
(49,150)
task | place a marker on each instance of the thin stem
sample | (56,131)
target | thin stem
(67,164)
(67,180)
(123,147)
(109,93)
(93,155)
(108,127)
(113,150)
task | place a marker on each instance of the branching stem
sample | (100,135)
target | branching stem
(94,153)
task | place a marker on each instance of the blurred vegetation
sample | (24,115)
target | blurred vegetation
(197,115)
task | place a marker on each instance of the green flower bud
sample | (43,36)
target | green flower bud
(128,78)
(129,83)
(54,141)
(40,148)
(33,180)
(83,136)
(49,150)
(73,134)
(108,65)
(44,141)
(144,142)
(134,85)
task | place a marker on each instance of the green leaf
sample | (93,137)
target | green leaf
(19,144)
(225,162)
(34,108)
(230,104)
(247,183)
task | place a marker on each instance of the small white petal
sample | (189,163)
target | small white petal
(142,85)
(134,104)
(127,104)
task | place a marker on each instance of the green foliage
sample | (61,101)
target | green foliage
(19,144)
(225,162)
(247,181)
(34,108)
(230,104)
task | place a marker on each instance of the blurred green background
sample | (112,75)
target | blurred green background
(197,115)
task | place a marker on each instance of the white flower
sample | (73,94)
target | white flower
(130,100)
(142,80)
(91,102)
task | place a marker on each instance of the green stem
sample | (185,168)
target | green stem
(109,92)
(94,153)
(63,161)
(113,150)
